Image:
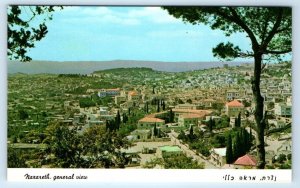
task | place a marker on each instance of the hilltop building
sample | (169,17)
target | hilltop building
(233,108)
(232,94)
(109,92)
(149,122)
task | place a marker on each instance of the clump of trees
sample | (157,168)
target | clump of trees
(239,142)
(175,162)
(95,148)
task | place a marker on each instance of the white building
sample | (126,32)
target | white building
(282,109)
(232,94)
(109,92)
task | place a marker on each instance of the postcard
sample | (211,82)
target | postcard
(190,93)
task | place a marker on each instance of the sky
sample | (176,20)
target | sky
(99,33)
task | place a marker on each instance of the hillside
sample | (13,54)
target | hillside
(86,67)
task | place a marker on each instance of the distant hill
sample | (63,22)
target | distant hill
(86,67)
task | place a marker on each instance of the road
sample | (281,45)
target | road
(190,153)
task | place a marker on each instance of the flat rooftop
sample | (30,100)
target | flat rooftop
(170,148)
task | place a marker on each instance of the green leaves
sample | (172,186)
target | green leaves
(96,148)
(21,33)
(226,51)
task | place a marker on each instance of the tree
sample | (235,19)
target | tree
(125,118)
(104,149)
(163,105)
(158,106)
(229,154)
(118,120)
(191,136)
(239,120)
(236,150)
(96,148)
(22,32)
(146,107)
(15,159)
(155,131)
(65,145)
(211,124)
(171,116)
(270,32)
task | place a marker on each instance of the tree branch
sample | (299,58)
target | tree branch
(242,54)
(278,52)
(240,22)
(274,29)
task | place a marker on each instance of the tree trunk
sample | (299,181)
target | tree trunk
(259,112)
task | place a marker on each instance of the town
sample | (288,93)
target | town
(200,119)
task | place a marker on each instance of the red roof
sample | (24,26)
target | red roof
(246,160)
(132,93)
(235,103)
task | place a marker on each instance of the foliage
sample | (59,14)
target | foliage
(223,123)
(181,162)
(211,124)
(96,148)
(241,142)
(23,114)
(65,145)
(104,149)
(86,102)
(176,162)
(218,141)
(189,101)
(15,158)
(126,129)
(229,152)
(22,33)
(281,158)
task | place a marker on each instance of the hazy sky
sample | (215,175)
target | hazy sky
(127,33)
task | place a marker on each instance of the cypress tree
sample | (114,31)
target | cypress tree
(213,123)
(124,118)
(118,120)
(250,138)
(243,142)
(171,116)
(155,130)
(147,107)
(163,105)
(210,124)
(191,134)
(236,147)
(158,106)
(239,120)
(229,153)
(107,127)
(236,122)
